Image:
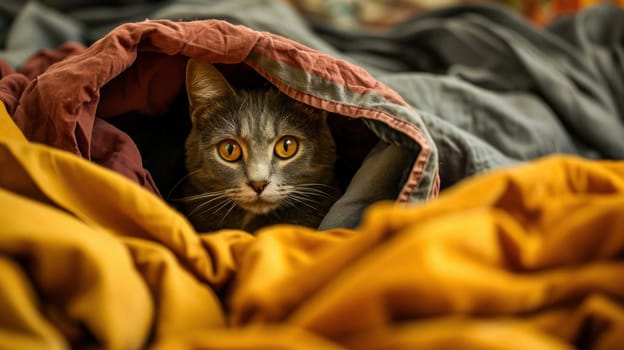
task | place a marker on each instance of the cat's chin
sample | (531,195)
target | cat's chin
(259,206)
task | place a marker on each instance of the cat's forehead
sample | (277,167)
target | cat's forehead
(268,115)
(259,125)
(266,123)
(261,115)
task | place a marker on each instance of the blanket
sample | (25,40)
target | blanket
(139,68)
(91,142)
(530,254)
(490,89)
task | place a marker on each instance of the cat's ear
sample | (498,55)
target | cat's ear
(205,85)
(324,116)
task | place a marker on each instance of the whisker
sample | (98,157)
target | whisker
(200,196)
(179,182)
(223,205)
(201,206)
(209,197)
(227,212)
(313,186)
(301,200)
(319,184)
(215,207)
(205,195)
(316,193)
(312,190)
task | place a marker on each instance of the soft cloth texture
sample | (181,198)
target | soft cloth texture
(490,89)
(525,255)
(530,253)
(139,68)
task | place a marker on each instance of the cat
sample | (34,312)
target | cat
(254,157)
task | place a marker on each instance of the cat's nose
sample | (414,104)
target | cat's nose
(258,186)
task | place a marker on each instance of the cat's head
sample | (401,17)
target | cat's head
(258,149)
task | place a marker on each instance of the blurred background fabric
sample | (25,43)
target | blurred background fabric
(382,13)
(27,26)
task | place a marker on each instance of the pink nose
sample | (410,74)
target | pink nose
(258,186)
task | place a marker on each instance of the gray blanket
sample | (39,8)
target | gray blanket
(492,89)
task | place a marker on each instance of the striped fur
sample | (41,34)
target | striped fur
(299,190)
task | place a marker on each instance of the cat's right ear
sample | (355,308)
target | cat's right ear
(205,85)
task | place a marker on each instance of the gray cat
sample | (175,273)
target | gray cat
(254,157)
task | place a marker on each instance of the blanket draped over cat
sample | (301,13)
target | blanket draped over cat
(92,256)
(402,135)
(139,68)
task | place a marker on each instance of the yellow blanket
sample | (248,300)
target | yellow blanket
(522,258)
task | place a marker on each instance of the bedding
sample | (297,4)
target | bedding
(519,127)
(530,254)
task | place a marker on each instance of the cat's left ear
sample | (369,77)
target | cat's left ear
(205,85)
(319,114)
(324,116)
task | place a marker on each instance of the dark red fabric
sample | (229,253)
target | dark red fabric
(60,107)
(139,67)
(115,150)
(5,69)
(12,86)
(43,59)
(148,87)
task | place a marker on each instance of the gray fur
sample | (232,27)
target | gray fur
(300,190)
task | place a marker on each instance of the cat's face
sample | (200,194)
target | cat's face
(258,150)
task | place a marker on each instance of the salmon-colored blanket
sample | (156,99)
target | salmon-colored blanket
(139,68)
(522,258)
(121,103)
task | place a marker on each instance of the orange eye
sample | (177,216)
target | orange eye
(229,150)
(286,147)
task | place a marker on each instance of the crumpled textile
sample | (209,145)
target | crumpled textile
(526,257)
(121,103)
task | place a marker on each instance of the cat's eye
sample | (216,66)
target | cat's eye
(229,150)
(286,147)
